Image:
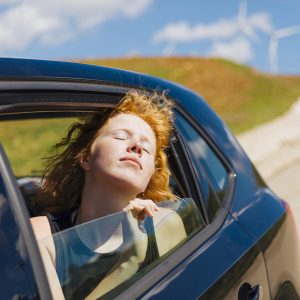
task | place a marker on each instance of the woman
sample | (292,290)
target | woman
(110,164)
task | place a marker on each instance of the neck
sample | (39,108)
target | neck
(98,201)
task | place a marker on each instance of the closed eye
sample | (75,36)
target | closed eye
(120,135)
(120,138)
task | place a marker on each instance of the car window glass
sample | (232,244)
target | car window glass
(105,256)
(212,174)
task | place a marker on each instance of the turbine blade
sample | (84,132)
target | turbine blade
(288,31)
(243,24)
(242,14)
(273,55)
(248,31)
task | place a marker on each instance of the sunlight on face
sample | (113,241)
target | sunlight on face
(123,154)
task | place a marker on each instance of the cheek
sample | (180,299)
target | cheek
(150,167)
(102,154)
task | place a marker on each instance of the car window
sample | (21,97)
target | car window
(212,175)
(28,142)
(105,256)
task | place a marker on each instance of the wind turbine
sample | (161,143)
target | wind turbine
(169,49)
(275,35)
(243,24)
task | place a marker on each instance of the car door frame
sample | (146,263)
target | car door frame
(21,215)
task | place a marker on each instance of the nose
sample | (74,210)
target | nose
(135,148)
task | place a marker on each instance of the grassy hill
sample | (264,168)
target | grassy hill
(242,96)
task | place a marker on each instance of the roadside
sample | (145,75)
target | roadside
(274,148)
(276,144)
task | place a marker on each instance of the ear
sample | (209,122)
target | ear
(84,162)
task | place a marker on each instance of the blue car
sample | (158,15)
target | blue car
(240,239)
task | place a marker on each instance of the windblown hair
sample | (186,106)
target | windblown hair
(63,177)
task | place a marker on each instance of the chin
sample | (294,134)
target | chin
(129,184)
(132,182)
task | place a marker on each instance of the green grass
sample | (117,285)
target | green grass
(26,143)
(242,96)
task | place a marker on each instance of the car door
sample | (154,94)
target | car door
(214,262)
(22,274)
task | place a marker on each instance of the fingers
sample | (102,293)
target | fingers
(142,208)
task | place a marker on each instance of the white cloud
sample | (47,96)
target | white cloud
(183,32)
(9,2)
(22,24)
(239,50)
(136,7)
(56,21)
(225,35)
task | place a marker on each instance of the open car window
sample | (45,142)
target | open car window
(126,256)
(28,142)
(103,257)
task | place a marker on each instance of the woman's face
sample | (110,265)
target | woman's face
(123,154)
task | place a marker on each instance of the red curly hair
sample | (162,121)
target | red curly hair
(63,176)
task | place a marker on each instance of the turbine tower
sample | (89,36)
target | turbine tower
(275,35)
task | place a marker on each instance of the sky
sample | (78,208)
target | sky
(264,34)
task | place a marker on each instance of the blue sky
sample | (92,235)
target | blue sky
(68,29)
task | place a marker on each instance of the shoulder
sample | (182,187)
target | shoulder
(42,231)
(41,227)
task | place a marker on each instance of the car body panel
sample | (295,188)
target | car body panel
(198,278)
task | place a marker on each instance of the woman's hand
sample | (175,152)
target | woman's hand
(141,208)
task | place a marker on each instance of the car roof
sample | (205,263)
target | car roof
(29,69)
(23,70)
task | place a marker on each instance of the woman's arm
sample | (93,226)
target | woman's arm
(42,231)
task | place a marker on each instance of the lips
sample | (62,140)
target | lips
(132,159)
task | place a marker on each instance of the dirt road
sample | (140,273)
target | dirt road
(275,150)
(286,184)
